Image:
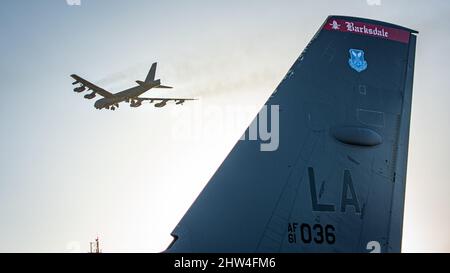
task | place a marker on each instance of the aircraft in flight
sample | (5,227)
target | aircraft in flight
(111,101)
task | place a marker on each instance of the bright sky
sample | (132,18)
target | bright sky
(70,172)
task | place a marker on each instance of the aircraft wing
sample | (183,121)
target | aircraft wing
(332,178)
(95,88)
(161,102)
(163,99)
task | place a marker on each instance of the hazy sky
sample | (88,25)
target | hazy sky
(70,172)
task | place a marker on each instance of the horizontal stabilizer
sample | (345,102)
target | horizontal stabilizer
(163,86)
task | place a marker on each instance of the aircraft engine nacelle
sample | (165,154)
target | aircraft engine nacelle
(161,104)
(90,96)
(135,104)
(180,102)
(79,89)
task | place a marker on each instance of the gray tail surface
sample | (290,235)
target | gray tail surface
(336,181)
(151,74)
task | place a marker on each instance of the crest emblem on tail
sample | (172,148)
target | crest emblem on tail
(356,60)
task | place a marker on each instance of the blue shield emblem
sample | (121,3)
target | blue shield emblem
(356,60)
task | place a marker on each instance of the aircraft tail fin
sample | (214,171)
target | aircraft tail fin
(151,74)
(334,178)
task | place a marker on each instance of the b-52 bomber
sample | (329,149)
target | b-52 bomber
(111,101)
